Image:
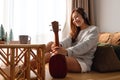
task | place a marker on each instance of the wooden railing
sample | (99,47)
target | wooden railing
(15,55)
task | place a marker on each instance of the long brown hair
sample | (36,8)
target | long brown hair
(75,30)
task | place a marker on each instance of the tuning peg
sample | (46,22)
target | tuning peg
(51,25)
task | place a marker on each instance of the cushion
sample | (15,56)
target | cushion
(105,59)
(105,37)
(115,38)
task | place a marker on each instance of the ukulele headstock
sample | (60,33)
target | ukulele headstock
(55,26)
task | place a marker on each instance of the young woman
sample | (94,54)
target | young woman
(79,46)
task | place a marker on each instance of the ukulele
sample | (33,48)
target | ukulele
(57,63)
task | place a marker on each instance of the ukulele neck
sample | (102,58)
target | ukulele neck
(55,30)
(56,39)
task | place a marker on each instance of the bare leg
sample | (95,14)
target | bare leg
(73,65)
(70,62)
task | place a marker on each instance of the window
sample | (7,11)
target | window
(33,17)
(1,11)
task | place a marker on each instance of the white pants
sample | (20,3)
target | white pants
(83,65)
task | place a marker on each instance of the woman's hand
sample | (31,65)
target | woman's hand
(60,50)
(48,46)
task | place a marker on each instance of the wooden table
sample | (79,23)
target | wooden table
(13,54)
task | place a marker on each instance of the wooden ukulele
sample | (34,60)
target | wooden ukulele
(57,63)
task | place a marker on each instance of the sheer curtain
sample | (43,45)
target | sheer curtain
(33,17)
(66,28)
(1,11)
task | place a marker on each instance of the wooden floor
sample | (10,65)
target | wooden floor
(82,76)
(87,76)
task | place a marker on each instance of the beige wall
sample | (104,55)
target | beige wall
(107,14)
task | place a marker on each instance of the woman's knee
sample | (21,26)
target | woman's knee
(73,65)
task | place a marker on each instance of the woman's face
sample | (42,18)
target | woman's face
(77,19)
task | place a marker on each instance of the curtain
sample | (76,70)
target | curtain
(88,5)
(33,18)
(1,11)
(66,28)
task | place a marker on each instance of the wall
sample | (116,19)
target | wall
(107,14)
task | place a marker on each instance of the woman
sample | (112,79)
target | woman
(79,47)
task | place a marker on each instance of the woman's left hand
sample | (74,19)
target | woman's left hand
(60,50)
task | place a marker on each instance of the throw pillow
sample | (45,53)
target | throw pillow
(105,37)
(105,59)
(115,39)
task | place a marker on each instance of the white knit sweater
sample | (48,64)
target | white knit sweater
(84,47)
